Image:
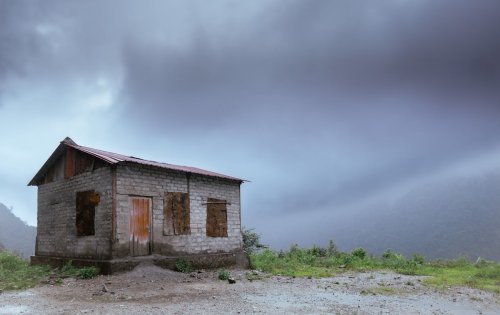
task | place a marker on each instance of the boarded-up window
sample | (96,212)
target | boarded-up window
(216,218)
(176,214)
(85,212)
(69,165)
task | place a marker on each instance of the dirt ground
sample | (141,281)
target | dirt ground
(151,290)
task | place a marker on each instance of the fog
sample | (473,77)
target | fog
(326,107)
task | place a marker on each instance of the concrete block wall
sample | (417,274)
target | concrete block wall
(56,231)
(153,182)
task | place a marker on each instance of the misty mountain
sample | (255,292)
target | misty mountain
(447,219)
(15,235)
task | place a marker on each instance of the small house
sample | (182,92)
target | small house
(114,211)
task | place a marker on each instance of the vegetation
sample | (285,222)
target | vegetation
(251,241)
(183,265)
(325,262)
(16,273)
(223,274)
(69,270)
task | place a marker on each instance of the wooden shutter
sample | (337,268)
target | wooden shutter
(69,163)
(216,218)
(176,214)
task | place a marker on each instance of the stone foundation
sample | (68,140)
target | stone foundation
(199,261)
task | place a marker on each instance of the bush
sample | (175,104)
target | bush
(183,265)
(359,252)
(317,251)
(251,241)
(331,250)
(223,274)
(418,259)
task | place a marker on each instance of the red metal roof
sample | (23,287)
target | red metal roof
(115,158)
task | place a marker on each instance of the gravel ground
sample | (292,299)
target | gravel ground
(152,290)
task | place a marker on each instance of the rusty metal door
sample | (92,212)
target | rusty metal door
(140,226)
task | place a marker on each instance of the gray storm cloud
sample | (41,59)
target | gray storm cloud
(320,104)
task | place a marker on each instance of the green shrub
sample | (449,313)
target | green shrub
(418,259)
(183,265)
(389,254)
(251,241)
(359,252)
(223,274)
(317,251)
(331,250)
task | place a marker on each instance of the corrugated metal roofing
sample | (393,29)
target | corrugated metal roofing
(115,158)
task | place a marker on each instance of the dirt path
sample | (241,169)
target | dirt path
(152,290)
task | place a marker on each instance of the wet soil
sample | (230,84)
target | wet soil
(151,290)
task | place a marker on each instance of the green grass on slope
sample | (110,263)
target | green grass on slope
(320,262)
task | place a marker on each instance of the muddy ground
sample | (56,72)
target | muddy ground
(151,290)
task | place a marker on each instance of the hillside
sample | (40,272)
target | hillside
(442,220)
(15,235)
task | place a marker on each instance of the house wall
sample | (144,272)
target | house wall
(56,231)
(145,181)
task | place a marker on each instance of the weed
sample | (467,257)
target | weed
(183,265)
(223,274)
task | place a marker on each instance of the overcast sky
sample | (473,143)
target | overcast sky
(322,105)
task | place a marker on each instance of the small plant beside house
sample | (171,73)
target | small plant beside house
(183,265)
(224,274)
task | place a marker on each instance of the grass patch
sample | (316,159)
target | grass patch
(69,270)
(17,274)
(484,276)
(318,262)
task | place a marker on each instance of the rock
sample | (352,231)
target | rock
(104,288)
(231,280)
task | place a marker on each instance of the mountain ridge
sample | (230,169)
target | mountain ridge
(15,235)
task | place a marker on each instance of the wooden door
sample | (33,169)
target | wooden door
(140,226)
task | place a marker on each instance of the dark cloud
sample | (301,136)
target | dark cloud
(320,103)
